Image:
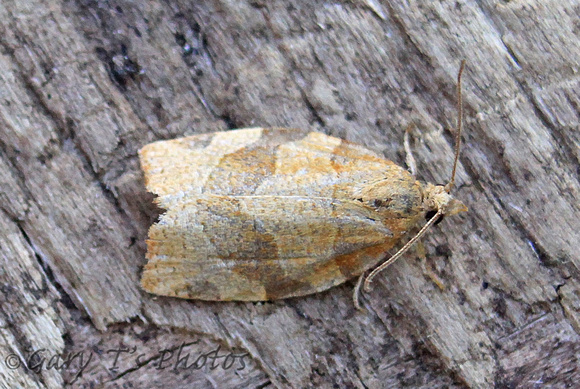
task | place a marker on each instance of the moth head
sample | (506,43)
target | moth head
(436,199)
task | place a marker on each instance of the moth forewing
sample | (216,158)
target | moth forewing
(264,247)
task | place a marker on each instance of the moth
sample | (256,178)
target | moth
(261,214)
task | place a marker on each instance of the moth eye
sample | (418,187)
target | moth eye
(432,213)
(377,203)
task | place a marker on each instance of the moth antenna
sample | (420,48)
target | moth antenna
(409,159)
(402,251)
(384,265)
(449,186)
(356,292)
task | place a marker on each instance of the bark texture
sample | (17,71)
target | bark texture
(85,84)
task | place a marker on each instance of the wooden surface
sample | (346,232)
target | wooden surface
(85,84)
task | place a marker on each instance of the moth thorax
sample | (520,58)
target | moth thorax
(396,197)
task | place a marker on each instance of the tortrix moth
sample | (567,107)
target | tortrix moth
(261,214)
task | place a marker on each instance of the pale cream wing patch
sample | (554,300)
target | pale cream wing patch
(180,168)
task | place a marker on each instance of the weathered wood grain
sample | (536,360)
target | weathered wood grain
(85,84)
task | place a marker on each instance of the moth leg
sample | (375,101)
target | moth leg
(409,159)
(427,270)
(420,251)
